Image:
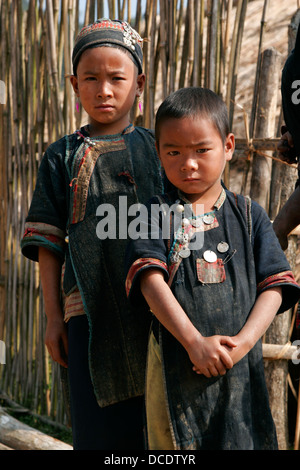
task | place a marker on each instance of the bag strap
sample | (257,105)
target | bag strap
(248,201)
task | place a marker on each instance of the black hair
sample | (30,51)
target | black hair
(194,101)
(105,44)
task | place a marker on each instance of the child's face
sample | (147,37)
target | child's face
(193,155)
(107,84)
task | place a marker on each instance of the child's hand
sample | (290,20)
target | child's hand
(241,349)
(56,340)
(210,355)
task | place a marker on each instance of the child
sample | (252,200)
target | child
(99,337)
(211,301)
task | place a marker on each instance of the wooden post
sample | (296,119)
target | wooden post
(265,124)
(283,184)
(276,371)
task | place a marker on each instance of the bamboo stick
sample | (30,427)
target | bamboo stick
(277,352)
(258,69)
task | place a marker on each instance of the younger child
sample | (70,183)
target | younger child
(211,300)
(101,340)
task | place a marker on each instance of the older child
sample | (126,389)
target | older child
(101,340)
(212,299)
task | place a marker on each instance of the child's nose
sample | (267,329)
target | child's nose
(189,164)
(104,90)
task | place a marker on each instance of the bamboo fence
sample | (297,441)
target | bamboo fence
(191,42)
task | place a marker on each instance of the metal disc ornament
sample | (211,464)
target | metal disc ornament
(223,247)
(208,219)
(196,222)
(184,252)
(210,256)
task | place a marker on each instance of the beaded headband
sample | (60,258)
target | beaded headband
(106,31)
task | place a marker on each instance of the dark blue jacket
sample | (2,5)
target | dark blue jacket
(231,411)
(76,176)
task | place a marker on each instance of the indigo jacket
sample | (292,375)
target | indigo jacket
(78,176)
(217,293)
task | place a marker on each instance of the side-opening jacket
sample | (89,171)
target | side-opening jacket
(79,179)
(216,283)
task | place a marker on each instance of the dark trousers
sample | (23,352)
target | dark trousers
(115,427)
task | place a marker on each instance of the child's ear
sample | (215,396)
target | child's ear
(74,83)
(229,146)
(141,80)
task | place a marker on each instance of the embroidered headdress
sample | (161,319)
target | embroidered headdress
(106,31)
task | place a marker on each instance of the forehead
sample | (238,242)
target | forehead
(95,57)
(187,130)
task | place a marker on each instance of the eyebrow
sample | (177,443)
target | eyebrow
(198,144)
(95,72)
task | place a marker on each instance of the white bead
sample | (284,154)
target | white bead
(179,208)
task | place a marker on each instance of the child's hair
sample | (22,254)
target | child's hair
(109,33)
(194,101)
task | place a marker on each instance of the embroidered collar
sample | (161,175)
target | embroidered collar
(217,205)
(84,133)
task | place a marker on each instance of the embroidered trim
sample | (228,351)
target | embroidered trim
(46,231)
(83,167)
(130,36)
(277,279)
(73,305)
(137,266)
(217,205)
(210,273)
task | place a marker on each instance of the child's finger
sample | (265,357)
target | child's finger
(228,341)
(226,360)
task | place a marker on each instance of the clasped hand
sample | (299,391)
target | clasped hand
(214,355)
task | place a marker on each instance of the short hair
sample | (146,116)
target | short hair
(194,101)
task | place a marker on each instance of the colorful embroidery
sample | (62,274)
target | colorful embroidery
(140,264)
(48,232)
(83,167)
(73,305)
(210,273)
(277,279)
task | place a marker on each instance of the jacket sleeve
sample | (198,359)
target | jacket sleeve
(272,267)
(148,251)
(46,222)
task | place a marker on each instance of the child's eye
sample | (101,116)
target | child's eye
(118,78)
(202,150)
(173,153)
(88,79)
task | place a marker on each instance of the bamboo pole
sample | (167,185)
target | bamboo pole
(184,54)
(258,69)
(267,105)
(212,45)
